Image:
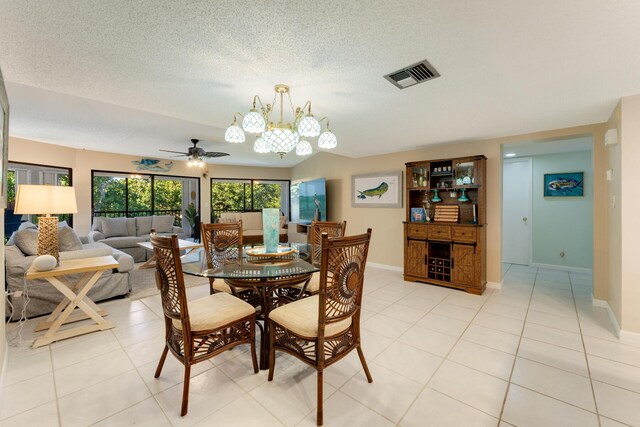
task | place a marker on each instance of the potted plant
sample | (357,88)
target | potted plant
(191,214)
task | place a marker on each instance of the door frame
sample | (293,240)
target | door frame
(530,219)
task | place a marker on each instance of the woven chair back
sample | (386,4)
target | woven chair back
(333,229)
(342,276)
(222,243)
(169,278)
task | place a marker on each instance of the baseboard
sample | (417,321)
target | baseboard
(385,266)
(612,317)
(563,268)
(494,285)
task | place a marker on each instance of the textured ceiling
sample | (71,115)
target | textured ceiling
(136,76)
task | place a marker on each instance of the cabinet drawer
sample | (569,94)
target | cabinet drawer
(440,232)
(417,231)
(463,234)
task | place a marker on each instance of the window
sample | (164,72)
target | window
(27,173)
(117,194)
(246,195)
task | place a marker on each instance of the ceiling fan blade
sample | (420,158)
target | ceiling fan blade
(214,154)
(177,152)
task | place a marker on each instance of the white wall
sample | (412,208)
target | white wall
(563,224)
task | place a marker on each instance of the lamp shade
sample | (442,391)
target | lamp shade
(45,199)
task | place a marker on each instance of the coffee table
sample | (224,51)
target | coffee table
(184,245)
(75,295)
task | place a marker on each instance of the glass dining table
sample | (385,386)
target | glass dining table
(272,279)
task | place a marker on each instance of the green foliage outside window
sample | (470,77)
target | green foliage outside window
(243,196)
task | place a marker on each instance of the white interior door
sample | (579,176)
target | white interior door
(516,210)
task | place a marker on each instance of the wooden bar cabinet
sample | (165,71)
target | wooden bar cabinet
(451,251)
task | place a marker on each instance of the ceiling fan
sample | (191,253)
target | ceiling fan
(197,154)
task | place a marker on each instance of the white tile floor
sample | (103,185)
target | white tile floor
(534,353)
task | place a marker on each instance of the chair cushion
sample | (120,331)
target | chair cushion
(162,223)
(27,241)
(214,311)
(221,286)
(301,318)
(313,286)
(143,225)
(68,240)
(114,227)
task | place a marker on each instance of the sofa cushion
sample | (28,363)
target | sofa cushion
(252,221)
(131,226)
(68,240)
(162,223)
(89,250)
(27,241)
(97,224)
(114,227)
(143,225)
(27,224)
(229,217)
(123,242)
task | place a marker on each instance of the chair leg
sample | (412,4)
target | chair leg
(185,390)
(319,412)
(253,346)
(272,351)
(364,364)
(161,362)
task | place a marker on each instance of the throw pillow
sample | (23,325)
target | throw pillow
(27,224)
(97,224)
(162,223)
(68,240)
(283,221)
(114,227)
(27,241)
(143,225)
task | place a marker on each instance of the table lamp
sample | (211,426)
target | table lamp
(46,200)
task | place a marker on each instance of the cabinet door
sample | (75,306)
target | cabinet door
(416,252)
(463,262)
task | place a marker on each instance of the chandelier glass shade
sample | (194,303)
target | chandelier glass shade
(281,137)
(261,146)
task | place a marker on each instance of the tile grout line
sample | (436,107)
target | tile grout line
(515,359)
(593,392)
(445,358)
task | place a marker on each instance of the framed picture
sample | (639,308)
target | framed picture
(4,140)
(377,190)
(418,215)
(568,184)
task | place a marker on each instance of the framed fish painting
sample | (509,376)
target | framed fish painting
(569,184)
(377,190)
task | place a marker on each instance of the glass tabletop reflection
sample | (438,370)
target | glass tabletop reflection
(195,263)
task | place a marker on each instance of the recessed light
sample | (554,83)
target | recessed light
(510,155)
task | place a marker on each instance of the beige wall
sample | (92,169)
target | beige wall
(628,207)
(83,161)
(614,223)
(387,239)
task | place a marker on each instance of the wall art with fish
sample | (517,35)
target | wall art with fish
(568,184)
(377,190)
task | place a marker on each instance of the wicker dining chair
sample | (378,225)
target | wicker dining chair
(332,229)
(223,244)
(322,329)
(199,329)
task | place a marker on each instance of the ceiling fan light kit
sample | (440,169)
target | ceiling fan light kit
(281,137)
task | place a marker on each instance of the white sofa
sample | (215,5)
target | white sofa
(252,225)
(44,297)
(125,233)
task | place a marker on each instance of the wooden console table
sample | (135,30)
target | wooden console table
(75,295)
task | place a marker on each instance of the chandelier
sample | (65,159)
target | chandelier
(281,137)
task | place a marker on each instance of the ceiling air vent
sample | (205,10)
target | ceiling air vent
(412,75)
